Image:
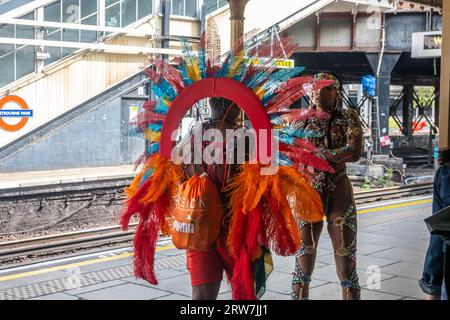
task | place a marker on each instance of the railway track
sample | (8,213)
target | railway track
(100,237)
(60,243)
(393,193)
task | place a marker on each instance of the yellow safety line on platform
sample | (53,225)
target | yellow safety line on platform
(395,206)
(126,255)
(74,265)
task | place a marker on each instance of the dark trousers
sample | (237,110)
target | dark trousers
(433,270)
(447,270)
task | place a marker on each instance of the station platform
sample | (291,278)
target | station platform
(392,241)
(61,176)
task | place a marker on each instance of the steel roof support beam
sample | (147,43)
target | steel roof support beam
(92,46)
(444,113)
(75,26)
(383,98)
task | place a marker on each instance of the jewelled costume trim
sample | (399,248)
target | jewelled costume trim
(349,220)
(299,276)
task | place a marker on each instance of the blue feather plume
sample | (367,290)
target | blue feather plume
(276,79)
(153,148)
(161,108)
(156,127)
(283,160)
(184,75)
(223,70)
(146,175)
(164,89)
(202,63)
(282,76)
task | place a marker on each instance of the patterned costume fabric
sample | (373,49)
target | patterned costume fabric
(338,131)
(339,135)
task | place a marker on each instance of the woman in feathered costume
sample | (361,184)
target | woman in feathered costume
(341,142)
(261,210)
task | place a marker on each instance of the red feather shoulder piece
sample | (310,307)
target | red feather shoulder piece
(153,201)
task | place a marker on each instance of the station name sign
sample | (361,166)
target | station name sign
(426,45)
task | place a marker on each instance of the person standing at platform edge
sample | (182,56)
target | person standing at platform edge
(341,141)
(432,281)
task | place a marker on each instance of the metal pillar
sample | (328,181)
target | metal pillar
(237,8)
(408,90)
(385,65)
(436,106)
(444,103)
(165,26)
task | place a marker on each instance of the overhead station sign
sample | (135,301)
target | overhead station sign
(426,45)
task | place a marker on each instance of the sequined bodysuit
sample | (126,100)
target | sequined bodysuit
(340,138)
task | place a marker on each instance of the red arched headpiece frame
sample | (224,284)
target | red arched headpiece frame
(225,88)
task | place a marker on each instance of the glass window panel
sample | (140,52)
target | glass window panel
(28,16)
(128,12)
(6,49)
(7,30)
(178,7)
(88,7)
(25,58)
(110,2)
(71,11)
(222,3)
(210,6)
(6,64)
(91,20)
(112,16)
(71,14)
(191,8)
(144,8)
(68,51)
(71,35)
(53,34)
(55,54)
(9,5)
(52,12)
(89,36)
(25,32)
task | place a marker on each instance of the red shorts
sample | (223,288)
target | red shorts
(208,266)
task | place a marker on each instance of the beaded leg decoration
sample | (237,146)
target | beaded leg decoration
(299,276)
(349,220)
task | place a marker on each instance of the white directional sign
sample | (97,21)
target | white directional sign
(427,44)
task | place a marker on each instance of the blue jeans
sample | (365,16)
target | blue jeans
(432,281)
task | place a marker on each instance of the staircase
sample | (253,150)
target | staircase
(46,130)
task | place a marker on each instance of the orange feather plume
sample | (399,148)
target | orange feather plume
(290,193)
(130,191)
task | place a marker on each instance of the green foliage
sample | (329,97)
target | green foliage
(389,175)
(366,185)
(424,94)
(380,182)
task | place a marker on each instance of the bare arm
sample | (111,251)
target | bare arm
(354,136)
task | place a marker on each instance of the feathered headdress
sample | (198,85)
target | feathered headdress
(261,205)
